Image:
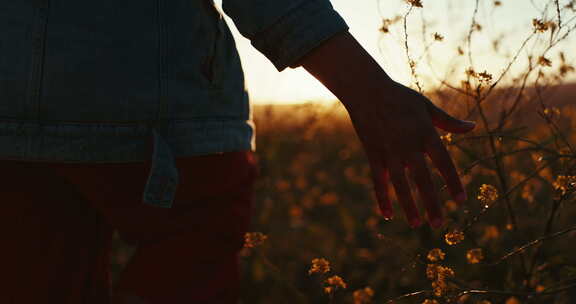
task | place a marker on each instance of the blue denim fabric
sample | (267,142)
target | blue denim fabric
(92,81)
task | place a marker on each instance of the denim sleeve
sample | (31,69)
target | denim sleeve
(285,30)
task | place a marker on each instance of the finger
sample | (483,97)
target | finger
(402,189)
(442,160)
(380,181)
(421,176)
(446,122)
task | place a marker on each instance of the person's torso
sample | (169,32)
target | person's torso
(70,60)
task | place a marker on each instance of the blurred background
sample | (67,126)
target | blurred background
(317,236)
(504,27)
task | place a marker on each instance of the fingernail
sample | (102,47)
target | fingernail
(436,223)
(387,214)
(415,223)
(461,197)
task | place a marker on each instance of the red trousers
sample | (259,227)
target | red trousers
(57,222)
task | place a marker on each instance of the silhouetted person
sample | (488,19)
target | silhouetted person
(132,115)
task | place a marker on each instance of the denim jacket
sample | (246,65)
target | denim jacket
(96,81)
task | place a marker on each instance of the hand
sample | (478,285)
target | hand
(394,123)
(397,132)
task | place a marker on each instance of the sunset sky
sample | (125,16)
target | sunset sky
(513,18)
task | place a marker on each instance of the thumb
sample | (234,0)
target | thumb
(448,123)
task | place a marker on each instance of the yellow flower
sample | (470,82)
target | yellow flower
(438,37)
(512,300)
(363,296)
(335,282)
(416,3)
(565,69)
(329,198)
(254,239)
(460,51)
(477,26)
(319,265)
(432,271)
(485,77)
(438,274)
(474,256)
(552,112)
(446,138)
(542,26)
(470,72)
(543,61)
(435,255)
(488,194)
(454,237)
(490,232)
(565,183)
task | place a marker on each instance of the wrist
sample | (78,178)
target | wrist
(344,67)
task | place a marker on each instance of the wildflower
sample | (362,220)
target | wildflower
(438,274)
(474,256)
(436,255)
(552,112)
(385,28)
(387,22)
(454,237)
(363,296)
(329,198)
(477,26)
(512,300)
(491,232)
(542,26)
(485,77)
(565,183)
(335,282)
(446,138)
(432,271)
(539,25)
(430,301)
(565,69)
(416,3)
(254,239)
(460,51)
(438,37)
(471,73)
(319,265)
(488,194)
(451,205)
(282,185)
(543,61)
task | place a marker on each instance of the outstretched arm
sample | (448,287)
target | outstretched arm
(394,123)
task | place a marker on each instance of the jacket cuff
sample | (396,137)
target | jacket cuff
(297,33)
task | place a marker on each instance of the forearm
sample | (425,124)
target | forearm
(343,66)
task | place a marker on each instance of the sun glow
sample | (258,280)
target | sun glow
(500,27)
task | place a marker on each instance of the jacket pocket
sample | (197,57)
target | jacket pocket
(212,64)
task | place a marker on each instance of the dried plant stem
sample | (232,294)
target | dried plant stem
(411,62)
(532,243)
